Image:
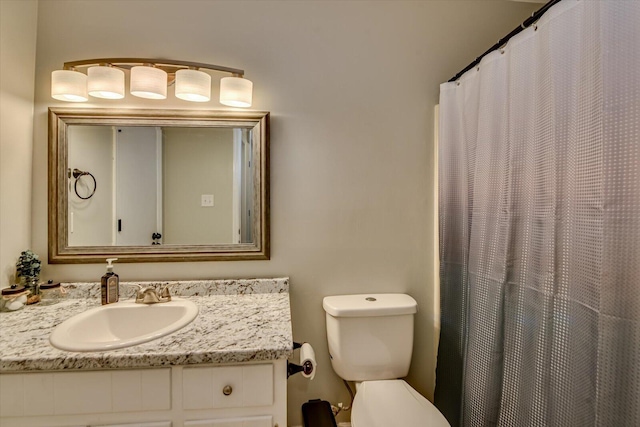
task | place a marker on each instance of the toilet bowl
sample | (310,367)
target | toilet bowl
(370,341)
(390,403)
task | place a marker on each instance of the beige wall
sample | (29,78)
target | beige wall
(196,162)
(18,21)
(351,87)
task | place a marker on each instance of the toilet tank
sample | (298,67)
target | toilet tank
(370,336)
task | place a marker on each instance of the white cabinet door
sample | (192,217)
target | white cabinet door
(138,184)
(265,421)
(153,424)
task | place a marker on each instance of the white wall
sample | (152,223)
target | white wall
(91,150)
(351,87)
(18,21)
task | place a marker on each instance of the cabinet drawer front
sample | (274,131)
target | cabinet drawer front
(227,386)
(265,421)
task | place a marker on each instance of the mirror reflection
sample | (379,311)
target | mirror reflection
(159,185)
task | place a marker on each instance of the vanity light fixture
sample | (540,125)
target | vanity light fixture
(236,91)
(69,85)
(105,82)
(148,82)
(193,85)
(149,79)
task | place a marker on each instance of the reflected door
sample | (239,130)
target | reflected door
(138,183)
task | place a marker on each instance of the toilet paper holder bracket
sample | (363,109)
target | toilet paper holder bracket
(306,367)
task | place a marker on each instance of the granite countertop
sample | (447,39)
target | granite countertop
(238,321)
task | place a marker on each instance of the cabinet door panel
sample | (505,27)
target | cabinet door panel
(264,421)
(81,392)
(12,395)
(39,388)
(152,424)
(227,379)
(197,388)
(258,385)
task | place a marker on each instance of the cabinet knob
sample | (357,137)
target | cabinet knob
(227,390)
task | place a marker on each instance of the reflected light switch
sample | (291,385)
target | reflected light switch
(206,200)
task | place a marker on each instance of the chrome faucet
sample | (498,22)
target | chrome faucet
(149,295)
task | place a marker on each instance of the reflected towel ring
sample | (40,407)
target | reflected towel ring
(77,174)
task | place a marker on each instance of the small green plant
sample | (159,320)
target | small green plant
(28,264)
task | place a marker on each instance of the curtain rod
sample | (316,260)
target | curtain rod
(533,18)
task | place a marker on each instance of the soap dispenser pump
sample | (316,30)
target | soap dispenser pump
(110,284)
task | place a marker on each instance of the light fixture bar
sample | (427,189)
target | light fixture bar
(145,61)
(149,79)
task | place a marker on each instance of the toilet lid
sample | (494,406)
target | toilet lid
(393,403)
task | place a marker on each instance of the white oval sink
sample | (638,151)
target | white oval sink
(122,324)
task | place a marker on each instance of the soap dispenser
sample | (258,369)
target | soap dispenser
(110,284)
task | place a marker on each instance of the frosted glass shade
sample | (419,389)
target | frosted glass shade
(193,85)
(67,85)
(105,82)
(148,82)
(236,92)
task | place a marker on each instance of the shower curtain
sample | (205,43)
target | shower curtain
(540,226)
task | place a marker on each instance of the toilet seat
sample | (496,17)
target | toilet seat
(393,403)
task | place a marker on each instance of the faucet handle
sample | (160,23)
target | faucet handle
(148,295)
(165,294)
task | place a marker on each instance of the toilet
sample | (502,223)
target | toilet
(370,341)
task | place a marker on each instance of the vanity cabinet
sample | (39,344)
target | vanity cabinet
(242,395)
(227,368)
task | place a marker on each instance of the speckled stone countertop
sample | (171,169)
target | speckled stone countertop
(238,321)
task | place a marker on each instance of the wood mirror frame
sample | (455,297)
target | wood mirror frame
(59,250)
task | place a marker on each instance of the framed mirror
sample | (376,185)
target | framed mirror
(158,185)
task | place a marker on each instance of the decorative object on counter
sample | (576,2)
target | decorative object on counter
(110,284)
(32,286)
(51,293)
(28,270)
(13,298)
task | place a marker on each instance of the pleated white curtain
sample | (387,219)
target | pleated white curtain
(540,226)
